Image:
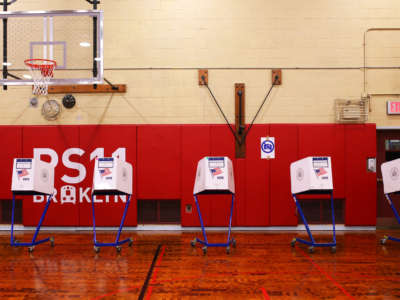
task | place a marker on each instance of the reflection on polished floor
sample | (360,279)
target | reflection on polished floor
(165,266)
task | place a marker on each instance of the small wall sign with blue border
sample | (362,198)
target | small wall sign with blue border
(267,147)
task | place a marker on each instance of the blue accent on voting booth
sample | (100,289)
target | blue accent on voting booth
(312,243)
(117,242)
(388,237)
(32,244)
(230,241)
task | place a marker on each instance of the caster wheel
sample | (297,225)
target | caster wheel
(30,249)
(130,242)
(52,241)
(96,249)
(228,250)
(193,242)
(118,248)
(333,249)
(233,243)
(293,242)
(311,249)
(204,250)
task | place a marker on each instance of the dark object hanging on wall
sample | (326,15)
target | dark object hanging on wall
(68,101)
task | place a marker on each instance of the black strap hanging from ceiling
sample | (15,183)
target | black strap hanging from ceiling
(258,111)
(220,109)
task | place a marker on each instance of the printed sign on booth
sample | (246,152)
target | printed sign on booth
(267,147)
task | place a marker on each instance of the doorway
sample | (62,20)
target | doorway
(388,148)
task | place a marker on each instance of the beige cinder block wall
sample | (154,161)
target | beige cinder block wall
(156,47)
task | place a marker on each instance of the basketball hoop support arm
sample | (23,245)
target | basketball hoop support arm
(5,69)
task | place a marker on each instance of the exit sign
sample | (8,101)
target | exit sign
(393,107)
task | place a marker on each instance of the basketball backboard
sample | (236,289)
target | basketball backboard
(73,38)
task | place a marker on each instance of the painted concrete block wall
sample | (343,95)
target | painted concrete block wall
(156,47)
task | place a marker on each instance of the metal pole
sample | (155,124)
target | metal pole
(94,221)
(333,218)
(5,70)
(12,220)
(123,219)
(42,218)
(201,220)
(230,219)
(95,71)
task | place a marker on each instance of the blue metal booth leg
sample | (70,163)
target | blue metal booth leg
(312,243)
(388,237)
(117,244)
(34,242)
(205,243)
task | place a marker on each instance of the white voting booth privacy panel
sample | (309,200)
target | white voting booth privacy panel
(311,174)
(214,175)
(32,176)
(112,176)
(391,176)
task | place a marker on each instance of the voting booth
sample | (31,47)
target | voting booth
(32,177)
(112,176)
(312,175)
(214,175)
(391,184)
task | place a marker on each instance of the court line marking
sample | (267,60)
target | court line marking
(149,273)
(194,277)
(266,296)
(154,277)
(322,271)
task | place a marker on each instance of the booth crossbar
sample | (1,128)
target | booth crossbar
(33,243)
(312,243)
(117,242)
(388,237)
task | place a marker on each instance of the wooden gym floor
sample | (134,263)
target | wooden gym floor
(163,265)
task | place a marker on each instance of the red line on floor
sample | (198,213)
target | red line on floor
(150,290)
(322,271)
(266,296)
(154,276)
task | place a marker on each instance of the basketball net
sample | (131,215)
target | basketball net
(41,71)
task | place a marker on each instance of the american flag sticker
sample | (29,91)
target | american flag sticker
(22,173)
(104,172)
(320,172)
(216,171)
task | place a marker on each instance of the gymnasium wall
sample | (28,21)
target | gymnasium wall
(156,47)
(165,157)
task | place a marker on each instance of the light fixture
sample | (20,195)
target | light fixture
(27,76)
(84,44)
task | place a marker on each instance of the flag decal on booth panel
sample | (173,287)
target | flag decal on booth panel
(216,171)
(320,172)
(105,172)
(22,173)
